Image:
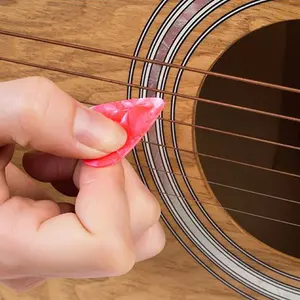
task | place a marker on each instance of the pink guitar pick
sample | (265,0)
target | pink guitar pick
(136,116)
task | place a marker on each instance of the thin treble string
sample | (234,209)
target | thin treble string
(146,60)
(223,159)
(217,184)
(113,81)
(229,209)
(230,133)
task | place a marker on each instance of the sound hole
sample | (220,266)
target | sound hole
(270,54)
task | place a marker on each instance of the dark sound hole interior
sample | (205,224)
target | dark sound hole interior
(271,54)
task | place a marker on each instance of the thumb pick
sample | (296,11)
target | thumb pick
(136,116)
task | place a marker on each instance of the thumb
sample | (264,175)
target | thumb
(35,113)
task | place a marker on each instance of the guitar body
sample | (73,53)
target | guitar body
(212,252)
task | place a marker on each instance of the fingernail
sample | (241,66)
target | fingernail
(96,131)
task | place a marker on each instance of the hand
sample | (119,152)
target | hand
(115,220)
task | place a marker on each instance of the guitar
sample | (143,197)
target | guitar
(223,157)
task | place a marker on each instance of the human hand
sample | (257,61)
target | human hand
(115,220)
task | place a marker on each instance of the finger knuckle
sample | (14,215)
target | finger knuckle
(152,210)
(19,204)
(13,213)
(160,244)
(39,97)
(47,208)
(34,110)
(153,242)
(156,210)
(123,261)
(120,257)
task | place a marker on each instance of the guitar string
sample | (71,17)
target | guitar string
(216,183)
(221,206)
(223,159)
(145,60)
(230,133)
(72,73)
(215,130)
(230,209)
(242,136)
(122,83)
(138,86)
(197,126)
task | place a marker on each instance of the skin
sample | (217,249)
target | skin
(115,220)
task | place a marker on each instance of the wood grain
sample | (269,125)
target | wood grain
(116,26)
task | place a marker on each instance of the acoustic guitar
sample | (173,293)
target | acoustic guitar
(223,157)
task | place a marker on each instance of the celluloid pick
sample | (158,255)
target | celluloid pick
(136,116)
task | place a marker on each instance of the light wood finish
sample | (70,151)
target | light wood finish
(116,26)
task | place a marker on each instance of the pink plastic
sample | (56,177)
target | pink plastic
(136,116)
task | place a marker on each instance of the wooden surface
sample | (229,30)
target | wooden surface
(117,26)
